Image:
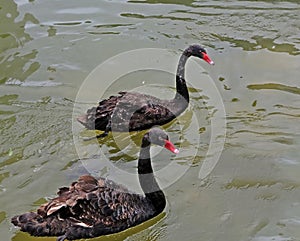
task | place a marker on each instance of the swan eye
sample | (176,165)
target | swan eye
(163,139)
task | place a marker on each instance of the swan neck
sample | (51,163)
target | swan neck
(181,88)
(147,180)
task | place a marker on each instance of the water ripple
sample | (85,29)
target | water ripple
(275,86)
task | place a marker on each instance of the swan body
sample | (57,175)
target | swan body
(129,111)
(132,111)
(92,207)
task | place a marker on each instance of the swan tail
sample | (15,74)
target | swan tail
(36,225)
(82,119)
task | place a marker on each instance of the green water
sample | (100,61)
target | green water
(49,48)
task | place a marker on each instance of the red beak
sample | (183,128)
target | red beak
(207,58)
(170,146)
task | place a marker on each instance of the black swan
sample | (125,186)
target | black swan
(91,207)
(132,111)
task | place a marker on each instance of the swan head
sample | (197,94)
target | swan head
(198,51)
(159,137)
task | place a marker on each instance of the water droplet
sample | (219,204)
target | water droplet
(10,152)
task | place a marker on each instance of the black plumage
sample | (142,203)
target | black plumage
(91,207)
(132,111)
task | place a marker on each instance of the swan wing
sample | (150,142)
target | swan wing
(89,202)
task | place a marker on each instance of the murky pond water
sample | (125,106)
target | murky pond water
(47,50)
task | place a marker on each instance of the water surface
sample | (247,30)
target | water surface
(47,49)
